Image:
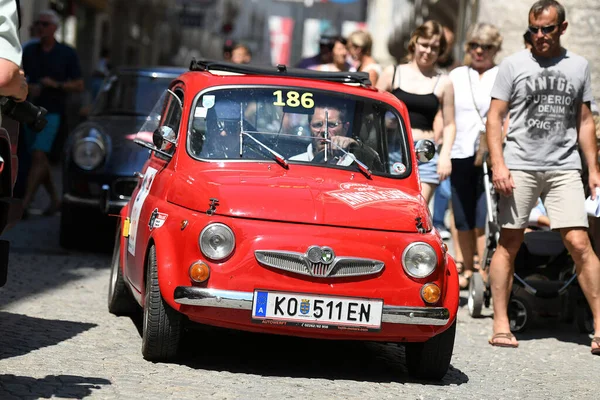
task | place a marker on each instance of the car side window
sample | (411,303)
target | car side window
(396,146)
(170,120)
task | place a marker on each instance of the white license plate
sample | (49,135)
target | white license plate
(316,311)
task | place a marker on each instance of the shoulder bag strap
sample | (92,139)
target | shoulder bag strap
(473,95)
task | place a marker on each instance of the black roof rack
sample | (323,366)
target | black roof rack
(361,78)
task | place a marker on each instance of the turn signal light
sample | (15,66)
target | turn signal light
(430,293)
(199,272)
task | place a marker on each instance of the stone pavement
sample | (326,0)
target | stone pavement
(57,340)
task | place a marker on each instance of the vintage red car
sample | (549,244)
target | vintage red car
(284,202)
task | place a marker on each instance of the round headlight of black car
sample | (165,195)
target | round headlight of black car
(217,241)
(89,151)
(419,259)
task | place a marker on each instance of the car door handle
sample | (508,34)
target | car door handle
(138,174)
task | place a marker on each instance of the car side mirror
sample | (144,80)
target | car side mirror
(425,150)
(164,138)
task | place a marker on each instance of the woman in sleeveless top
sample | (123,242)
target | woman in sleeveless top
(425,92)
(477,77)
(359,47)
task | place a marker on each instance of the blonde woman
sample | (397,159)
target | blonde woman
(425,90)
(359,47)
(476,77)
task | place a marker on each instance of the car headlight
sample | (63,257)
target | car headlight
(89,150)
(216,241)
(419,260)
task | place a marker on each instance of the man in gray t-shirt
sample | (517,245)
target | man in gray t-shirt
(546,93)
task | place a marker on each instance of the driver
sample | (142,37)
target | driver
(337,129)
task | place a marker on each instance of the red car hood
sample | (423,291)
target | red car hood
(294,196)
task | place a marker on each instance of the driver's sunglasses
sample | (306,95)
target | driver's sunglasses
(228,126)
(545,29)
(484,47)
(42,23)
(330,125)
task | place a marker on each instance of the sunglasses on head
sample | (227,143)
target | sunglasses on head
(545,29)
(484,47)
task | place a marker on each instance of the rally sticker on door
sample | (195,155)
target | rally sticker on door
(136,208)
(157,219)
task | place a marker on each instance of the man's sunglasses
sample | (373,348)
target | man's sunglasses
(42,23)
(484,47)
(545,29)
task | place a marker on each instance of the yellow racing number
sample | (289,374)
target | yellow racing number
(293,99)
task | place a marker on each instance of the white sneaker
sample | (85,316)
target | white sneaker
(444,233)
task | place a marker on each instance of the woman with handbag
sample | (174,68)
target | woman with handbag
(476,78)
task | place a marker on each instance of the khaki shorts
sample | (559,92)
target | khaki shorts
(561,192)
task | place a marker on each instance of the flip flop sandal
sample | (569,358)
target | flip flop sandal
(503,335)
(596,351)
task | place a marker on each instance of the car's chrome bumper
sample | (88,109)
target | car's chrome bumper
(243,301)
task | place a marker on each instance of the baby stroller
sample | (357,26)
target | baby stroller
(544,284)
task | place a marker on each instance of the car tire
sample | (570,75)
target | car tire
(476,295)
(71,219)
(120,300)
(162,325)
(430,360)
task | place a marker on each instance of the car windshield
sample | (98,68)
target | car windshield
(129,94)
(301,126)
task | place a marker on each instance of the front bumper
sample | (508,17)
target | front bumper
(194,296)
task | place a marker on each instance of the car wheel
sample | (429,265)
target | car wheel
(162,325)
(476,294)
(430,360)
(71,219)
(120,300)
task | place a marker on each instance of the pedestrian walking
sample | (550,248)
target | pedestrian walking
(547,91)
(52,70)
(339,57)
(476,78)
(425,90)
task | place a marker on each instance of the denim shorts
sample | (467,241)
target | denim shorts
(428,170)
(43,140)
(468,194)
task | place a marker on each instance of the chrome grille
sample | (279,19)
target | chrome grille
(300,264)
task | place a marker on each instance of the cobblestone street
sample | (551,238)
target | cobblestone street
(58,340)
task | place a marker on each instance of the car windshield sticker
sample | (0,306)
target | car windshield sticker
(208,100)
(157,219)
(200,112)
(399,168)
(293,99)
(358,195)
(136,208)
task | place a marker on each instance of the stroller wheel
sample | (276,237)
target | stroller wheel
(519,314)
(476,292)
(584,317)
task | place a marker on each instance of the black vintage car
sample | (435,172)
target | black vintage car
(101,158)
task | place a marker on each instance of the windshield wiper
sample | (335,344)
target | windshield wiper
(276,156)
(362,167)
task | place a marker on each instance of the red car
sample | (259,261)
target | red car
(285,202)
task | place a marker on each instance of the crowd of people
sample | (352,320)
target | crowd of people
(480,108)
(467,110)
